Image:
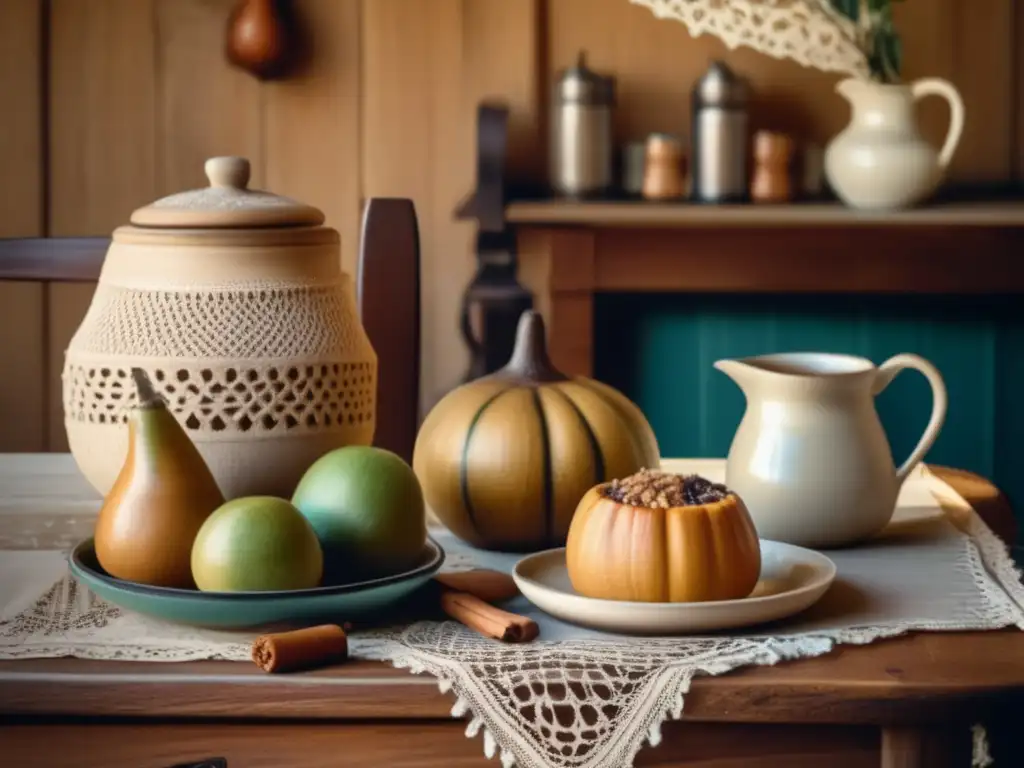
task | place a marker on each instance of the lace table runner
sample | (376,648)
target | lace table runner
(935,568)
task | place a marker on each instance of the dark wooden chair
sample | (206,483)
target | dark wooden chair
(388,293)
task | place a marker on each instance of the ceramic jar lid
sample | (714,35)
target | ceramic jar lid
(226,203)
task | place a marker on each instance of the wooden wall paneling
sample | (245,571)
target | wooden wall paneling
(501,59)
(929,34)
(21,149)
(21,215)
(652,60)
(66,306)
(102,143)
(971,45)
(426,67)
(413,146)
(22,396)
(312,130)
(983,56)
(505,49)
(205,107)
(102,114)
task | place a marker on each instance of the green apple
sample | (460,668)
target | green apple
(256,544)
(367,509)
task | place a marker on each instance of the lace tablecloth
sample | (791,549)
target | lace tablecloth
(935,568)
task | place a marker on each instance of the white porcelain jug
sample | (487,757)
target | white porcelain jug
(810,457)
(880,160)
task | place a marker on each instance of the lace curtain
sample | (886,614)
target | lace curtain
(807,31)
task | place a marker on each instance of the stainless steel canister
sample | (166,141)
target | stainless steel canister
(719,152)
(582,149)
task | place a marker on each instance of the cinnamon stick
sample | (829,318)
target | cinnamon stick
(486,619)
(489,586)
(300,648)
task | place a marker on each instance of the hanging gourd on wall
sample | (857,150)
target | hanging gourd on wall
(262,38)
(505,459)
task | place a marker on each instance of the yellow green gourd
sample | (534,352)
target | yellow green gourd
(504,460)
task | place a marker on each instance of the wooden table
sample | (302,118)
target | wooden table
(902,703)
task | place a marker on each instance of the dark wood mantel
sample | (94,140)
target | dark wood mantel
(639,214)
(571,251)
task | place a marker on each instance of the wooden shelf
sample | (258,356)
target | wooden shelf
(569,253)
(639,214)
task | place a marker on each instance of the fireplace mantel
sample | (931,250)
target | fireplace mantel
(681,215)
(571,251)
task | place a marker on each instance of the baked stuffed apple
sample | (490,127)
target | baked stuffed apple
(660,537)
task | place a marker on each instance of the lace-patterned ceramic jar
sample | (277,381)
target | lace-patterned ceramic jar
(235,303)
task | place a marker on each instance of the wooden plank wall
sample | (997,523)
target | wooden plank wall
(108,104)
(22,340)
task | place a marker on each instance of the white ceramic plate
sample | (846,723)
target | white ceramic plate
(792,580)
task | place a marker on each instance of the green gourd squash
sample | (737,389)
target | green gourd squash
(505,459)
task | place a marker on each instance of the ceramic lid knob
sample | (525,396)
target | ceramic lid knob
(228,172)
(226,202)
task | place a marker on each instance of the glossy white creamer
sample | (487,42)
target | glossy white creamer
(810,457)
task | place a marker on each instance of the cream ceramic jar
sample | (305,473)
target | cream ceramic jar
(234,302)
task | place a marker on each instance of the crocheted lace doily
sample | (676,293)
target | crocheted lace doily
(576,700)
(807,31)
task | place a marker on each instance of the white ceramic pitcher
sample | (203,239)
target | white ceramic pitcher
(880,160)
(810,457)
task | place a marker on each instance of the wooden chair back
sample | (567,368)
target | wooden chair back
(388,293)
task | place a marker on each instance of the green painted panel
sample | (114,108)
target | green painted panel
(659,350)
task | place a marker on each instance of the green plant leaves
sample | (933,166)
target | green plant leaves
(850,8)
(889,50)
(878,38)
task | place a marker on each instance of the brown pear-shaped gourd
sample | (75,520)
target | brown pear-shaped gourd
(259,38)
(159,501)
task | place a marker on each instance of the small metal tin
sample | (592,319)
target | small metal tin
(719,155)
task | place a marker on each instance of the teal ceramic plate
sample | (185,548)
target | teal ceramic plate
(239,610)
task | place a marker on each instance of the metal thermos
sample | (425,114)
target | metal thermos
(719,152)
(582,150)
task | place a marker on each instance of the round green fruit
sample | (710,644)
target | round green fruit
(367,508)
(256,544)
